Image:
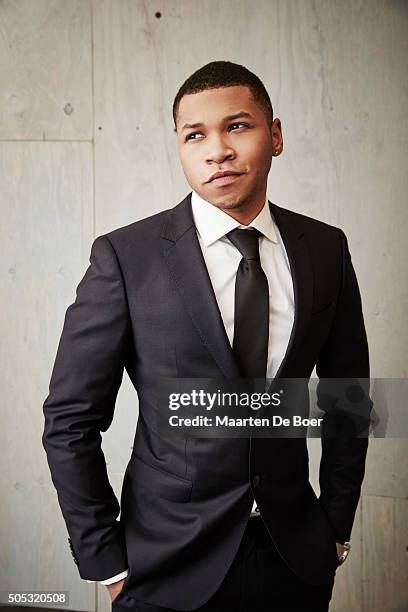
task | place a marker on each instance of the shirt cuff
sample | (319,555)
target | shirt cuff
(113,579)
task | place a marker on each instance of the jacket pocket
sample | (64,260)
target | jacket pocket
(157,481)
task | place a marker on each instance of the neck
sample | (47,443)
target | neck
(244,214)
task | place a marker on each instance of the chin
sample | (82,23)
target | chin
(234,204)
(225,200)
(230,203)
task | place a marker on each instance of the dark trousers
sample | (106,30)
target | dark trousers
(257,581)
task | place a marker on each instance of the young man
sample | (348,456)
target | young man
(225,284)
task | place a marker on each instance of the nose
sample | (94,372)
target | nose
(219,150)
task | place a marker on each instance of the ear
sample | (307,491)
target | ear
(277,137)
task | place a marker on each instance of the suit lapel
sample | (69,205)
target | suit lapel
(186,265)
(302,280)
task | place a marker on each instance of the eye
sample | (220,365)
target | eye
(188,137)
(192,134)
(244,124)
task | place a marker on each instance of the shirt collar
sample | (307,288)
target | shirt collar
(212,223)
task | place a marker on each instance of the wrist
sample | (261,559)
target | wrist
(343,549)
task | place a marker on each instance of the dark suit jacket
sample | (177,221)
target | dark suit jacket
(146,304)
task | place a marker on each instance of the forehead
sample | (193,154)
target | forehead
(213,104)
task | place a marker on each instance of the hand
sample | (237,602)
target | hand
(115,588)
(340,549)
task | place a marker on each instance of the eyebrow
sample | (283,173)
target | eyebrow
(187,126)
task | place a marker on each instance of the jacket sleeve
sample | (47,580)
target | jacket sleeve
(343,394)
(85,380)
(113,579)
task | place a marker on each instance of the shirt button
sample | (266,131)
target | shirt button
(256,480)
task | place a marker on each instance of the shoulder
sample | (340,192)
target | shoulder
(134,242)
(305,223)
(150,226)
(135,239)
(322,238)
(326,243)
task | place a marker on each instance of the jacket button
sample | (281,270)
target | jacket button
(256,480)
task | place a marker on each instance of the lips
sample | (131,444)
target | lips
(225,180)
(219,175)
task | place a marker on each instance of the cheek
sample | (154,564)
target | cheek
(189,162)
(263,157)
(188,166)
(256,150)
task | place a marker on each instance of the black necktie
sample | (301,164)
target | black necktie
(251,317)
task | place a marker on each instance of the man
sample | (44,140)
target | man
(225,284)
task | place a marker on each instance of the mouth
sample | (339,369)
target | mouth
(225,180)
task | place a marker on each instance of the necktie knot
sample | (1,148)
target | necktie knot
(246,241)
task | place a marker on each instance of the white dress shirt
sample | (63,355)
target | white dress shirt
(222,259)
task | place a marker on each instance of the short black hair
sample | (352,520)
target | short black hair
(225,74)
